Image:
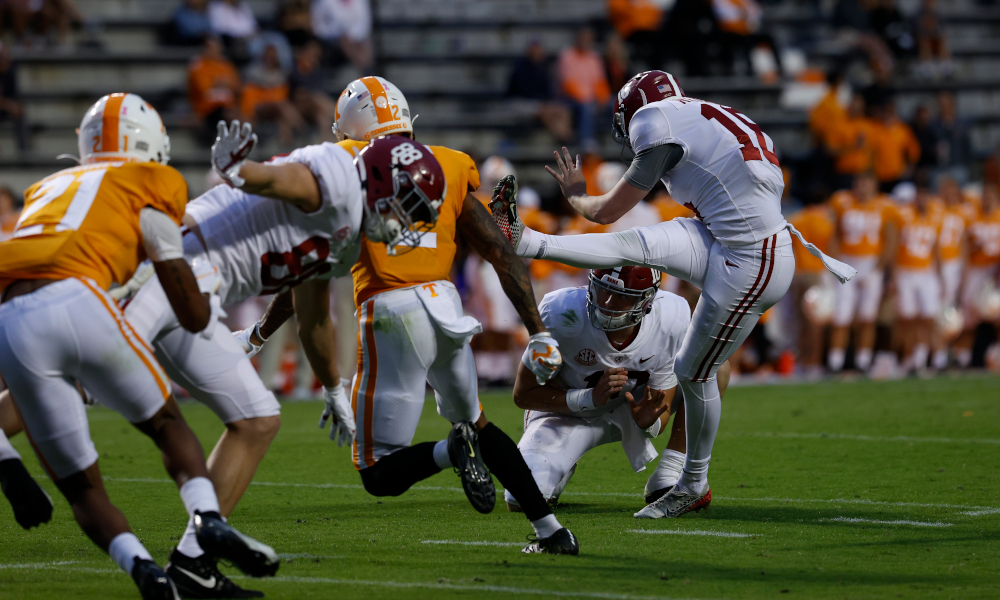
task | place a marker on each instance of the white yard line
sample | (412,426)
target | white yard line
(461,543)
(881,522)
(319,556)
(860,438)
(45,565)
(725,534)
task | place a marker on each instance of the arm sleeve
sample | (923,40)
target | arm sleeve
(160,235)
(651,164)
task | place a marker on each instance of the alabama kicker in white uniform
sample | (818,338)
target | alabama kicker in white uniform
(261,246)
(718,163)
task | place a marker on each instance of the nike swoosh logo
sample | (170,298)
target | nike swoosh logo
(206,583)
(472,451)
(642,360)
(732,265)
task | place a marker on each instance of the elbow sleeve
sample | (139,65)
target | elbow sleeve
(160,236)
(650,165)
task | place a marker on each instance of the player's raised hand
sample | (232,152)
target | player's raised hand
(609,385)
(542,356)
(569,174)
(232,147)
(339,407)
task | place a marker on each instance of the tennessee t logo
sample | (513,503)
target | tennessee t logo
(535,354)
(430,286)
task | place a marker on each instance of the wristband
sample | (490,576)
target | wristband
(580,400)
(260,336)
(654,429)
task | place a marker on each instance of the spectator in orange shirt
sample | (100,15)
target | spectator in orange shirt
(639,23)
(895,150)
(583,82)
(740,33)
(826,116)
(9,213)
(266,97)
(851,143)
(213,84)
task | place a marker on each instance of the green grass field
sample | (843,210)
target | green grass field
(832,490)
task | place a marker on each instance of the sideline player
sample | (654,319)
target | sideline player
(263,246)
(619,336)
(865,239)
(83,229)
(984,262)
(412,332)
(722,166)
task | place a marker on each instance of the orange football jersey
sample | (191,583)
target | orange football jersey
(815,223)
(860,226)
(918,234)
(84,222)
(954,223)
(984,240)
(669,208)
(377,272)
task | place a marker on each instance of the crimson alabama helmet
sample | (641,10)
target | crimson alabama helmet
(620,297)
(404,188)
(637,92)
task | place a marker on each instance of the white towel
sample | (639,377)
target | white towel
(841,270)
(637,446)
(441,300)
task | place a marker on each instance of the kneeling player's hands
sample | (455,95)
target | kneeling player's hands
(647,410)
(609,385)
(339,406)
(542,356)
(231,149)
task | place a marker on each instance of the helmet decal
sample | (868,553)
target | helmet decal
(109,126)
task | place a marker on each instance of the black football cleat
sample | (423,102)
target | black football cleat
(463,450)
(200,578)
(655,495)
(152,581)
(560,542)
(220,540)
(32,505)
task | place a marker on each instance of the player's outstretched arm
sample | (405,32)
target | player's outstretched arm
(279,310)
(311,300)
(481,232)
(604,209)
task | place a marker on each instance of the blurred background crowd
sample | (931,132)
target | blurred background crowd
(886,115)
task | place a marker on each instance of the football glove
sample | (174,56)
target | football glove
(339,407)
(231,149)
(245,337)
(542,356)
(143,274)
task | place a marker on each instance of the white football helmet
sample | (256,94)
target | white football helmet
(370,107)
(123,127)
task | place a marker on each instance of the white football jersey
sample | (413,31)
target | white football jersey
(265,246)
(729,174)
(587,353)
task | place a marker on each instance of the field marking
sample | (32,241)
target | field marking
(861,438)
(972,511)
(881,522)
(461,543)
(725,534)
(318,556)
(389,584)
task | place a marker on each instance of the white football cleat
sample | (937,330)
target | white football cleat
(675,503)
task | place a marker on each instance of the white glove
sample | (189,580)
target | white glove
(542,356)
(208,277)
(337,404)
(244,338)
(139,278)
(231,149)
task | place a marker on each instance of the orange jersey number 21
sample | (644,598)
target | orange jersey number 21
(61,203)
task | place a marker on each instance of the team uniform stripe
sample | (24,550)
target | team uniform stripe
(724,336)
(134,341)
(372,378)
(357,382)
(384,113)
(673,85)
(109,123)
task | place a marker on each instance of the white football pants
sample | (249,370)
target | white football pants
(859,298)
(738,284)
(73,331)
(918,293)
(402,348)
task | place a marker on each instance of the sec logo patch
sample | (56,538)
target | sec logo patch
(586,357)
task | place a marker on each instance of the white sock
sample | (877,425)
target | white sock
(940,359)
(920,352)
(125,548)
(703,410)
(835,359)
(667,472)
(964,357)
(188,546)
(7,451)
(546,526)
(863,358)
(587,251)
(198,494)
(441,457)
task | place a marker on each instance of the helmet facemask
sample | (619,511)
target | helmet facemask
(611,306)
(403,218)
(619,131)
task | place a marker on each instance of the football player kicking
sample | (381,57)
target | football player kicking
(412,332)
(83,229)
(619,337)
(718,163)
(263,246)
